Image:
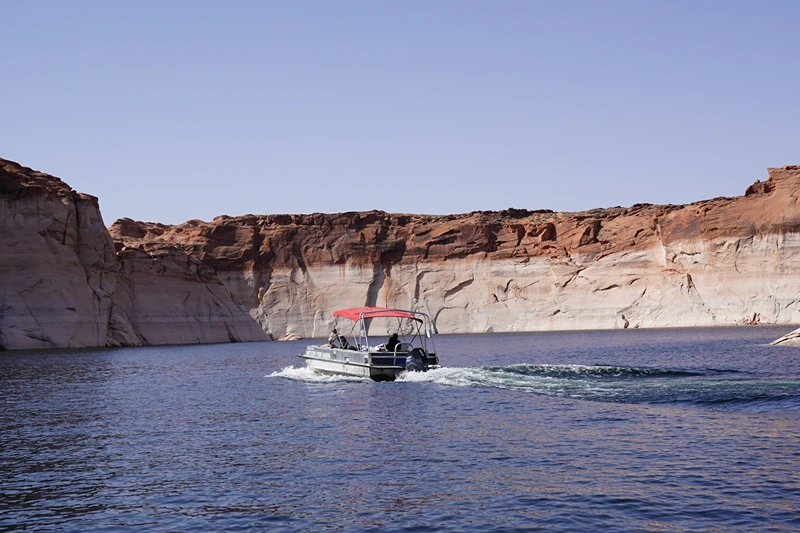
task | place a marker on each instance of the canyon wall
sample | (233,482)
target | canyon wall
(67,281)
(724,261)
(65,284)
(57,266)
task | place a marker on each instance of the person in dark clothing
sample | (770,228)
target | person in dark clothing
(393,342)
(337,340)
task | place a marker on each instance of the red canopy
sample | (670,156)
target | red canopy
(355,313)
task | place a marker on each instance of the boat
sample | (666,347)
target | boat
(365,356)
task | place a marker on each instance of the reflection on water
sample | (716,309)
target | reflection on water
(641,430)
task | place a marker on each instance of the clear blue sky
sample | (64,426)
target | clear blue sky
(170,110)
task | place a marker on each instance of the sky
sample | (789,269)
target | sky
(177,110)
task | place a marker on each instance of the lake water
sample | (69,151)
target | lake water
(635,430)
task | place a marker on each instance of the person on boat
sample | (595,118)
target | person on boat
(335,338)
(392,343)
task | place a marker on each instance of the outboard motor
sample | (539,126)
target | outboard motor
(417,361)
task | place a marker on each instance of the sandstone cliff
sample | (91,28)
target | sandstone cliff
(718,262)
(57,265)
(63,284)
(173,299)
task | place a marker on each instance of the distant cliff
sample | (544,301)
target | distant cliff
(67,281)
(717,262)
(63,283)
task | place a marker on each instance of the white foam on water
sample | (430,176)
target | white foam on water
(549,385)
(481,377)
(457,377)
(586,383)
(309,376)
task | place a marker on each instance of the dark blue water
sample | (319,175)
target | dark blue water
(670,430)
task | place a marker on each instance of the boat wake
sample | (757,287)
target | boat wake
(306,374)
(718,389)
(527,375)
(591,372)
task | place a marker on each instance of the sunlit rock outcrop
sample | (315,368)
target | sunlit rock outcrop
(62,283)
(57,264)
(65,283)
(717,262)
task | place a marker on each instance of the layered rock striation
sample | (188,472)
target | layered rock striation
(57,265)
(64,283)
(724,261)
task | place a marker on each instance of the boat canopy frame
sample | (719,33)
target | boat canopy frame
(360,315)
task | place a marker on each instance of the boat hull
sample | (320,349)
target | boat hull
(378,366)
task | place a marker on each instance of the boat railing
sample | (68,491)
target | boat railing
(398,357)
(403,347)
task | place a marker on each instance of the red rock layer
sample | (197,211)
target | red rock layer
(259,244)
(64,282)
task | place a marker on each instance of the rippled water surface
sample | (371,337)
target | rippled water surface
(667,430)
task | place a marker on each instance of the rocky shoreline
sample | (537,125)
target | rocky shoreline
(69,282)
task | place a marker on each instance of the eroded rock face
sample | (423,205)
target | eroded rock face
(717,262)
(57,265)
(173,299)
(62,283)
(65,283)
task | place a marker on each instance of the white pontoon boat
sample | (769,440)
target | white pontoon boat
(364,357)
